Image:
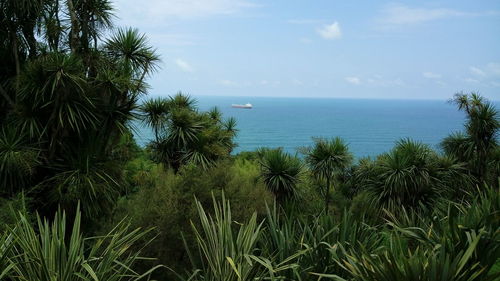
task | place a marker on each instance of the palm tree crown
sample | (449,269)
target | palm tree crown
(281,173)
(326,159)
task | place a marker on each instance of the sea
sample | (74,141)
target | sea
(369,126)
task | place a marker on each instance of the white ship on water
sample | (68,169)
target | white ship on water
(247,105)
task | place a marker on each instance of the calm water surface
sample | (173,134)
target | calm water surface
(370,127)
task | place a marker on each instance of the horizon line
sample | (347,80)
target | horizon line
(321,97)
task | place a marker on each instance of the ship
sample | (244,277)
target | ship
(247,106)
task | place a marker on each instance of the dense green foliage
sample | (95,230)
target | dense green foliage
(68,94)
(185,136)
(59,251)
(70,85)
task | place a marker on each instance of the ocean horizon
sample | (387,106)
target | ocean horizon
(369,126)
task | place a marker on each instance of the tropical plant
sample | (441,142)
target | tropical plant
(419,265)
(6,240)
(185,136)
(56,251)
(69,85)
(182,101)
(281,173)
(155,114)
(411,175)
(317,242)
(326,160)
(479,142)
(457,242)
(18,160)
(229,253)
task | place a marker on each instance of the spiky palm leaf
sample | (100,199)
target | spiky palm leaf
(281,173)
(56,88)
(459,145)
(481,127)
(86,178)
(326,159)
(18,159)
(215,114)
(182,101)
(416,265)
(229,251)
(230,125)
(184,127)
(95,16)
(155,115)
(6,242)
(408,175)
(131,50)
(55,251)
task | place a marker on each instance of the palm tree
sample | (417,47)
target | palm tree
(68,90)
(481,131)
(55,87)
(155,114)
(326,160)
(184,135)
(183,127)
(281,173)
(412,175)
(183,101)
(94,17)
(215,114)
(229,126)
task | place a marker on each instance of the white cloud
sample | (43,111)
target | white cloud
(486,75)
(394,82)
(330,31)
(441,83)
(493,68)
(431,75)
(183,65)
(471,80)
(477,71)
(353,80)
(397,14)
(153,12)
(490,70)
(380,81)
(297,82)
(228,83)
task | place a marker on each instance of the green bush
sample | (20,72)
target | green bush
(168,203)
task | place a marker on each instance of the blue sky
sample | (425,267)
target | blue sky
(348,49)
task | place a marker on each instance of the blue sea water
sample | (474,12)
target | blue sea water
(370,127)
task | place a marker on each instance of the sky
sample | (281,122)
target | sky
(321,48)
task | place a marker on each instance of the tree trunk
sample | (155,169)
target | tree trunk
(75,28)
(16,59)
(143,75)
(58,21)
(327,194)
(30,38)
(5,95)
